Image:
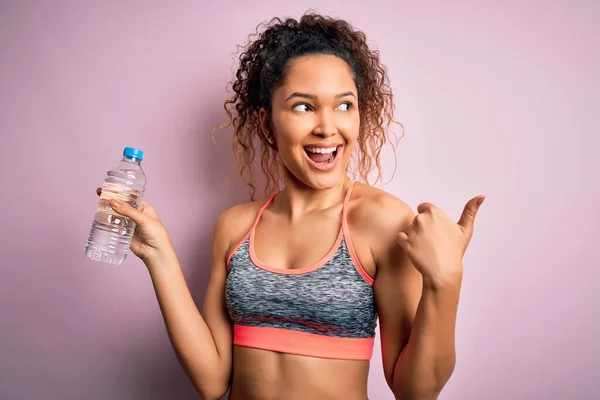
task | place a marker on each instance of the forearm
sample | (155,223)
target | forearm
(427,361)
(189,334)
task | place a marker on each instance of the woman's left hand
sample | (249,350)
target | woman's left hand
(436,244)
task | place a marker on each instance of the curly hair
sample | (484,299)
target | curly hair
(263,66)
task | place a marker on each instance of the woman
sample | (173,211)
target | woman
(299,279)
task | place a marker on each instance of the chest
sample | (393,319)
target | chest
(295,245)
(280,244)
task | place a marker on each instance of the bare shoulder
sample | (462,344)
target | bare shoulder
(234,223)
(380,215)
(378,208)
(239,216)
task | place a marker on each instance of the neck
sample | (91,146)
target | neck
(297,198)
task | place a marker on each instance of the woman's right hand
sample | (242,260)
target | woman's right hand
(150,238)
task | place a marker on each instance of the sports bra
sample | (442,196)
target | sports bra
(325,310)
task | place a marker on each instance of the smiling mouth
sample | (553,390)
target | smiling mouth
(322,156)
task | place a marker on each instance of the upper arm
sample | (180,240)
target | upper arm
(397,285)
(214,309)
(232,224)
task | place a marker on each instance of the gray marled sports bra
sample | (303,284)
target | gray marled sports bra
(325,310)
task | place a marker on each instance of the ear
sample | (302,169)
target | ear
(265,127)
(264,122)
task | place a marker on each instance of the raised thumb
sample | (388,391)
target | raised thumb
(467,218)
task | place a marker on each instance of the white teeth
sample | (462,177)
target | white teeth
(321,150)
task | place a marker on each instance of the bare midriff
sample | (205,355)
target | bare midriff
(268,375)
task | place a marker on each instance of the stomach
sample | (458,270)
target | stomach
(268,375)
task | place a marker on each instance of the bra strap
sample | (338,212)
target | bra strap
(346,199)
(269,201)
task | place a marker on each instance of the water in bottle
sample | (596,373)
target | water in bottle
(111,233)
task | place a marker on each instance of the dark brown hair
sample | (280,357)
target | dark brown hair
(263,66)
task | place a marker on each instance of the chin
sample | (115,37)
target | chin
(329,181)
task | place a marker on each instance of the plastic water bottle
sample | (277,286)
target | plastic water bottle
(111,233)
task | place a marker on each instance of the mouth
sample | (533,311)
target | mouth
(323,158)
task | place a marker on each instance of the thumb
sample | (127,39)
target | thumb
(128,211)
(467,219)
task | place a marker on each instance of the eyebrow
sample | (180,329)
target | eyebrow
(313,97)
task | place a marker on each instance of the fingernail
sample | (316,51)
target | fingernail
(115,203)
(480,200)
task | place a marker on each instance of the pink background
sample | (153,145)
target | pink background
(498,98)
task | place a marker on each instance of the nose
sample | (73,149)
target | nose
(325,125)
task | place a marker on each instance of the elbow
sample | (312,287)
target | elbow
(423,389)
(212,395)
(443,376)
(422,393)
(212,391)
(211,387)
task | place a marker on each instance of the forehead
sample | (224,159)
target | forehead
(319,75)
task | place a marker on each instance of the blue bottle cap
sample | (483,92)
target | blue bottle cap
(133,153)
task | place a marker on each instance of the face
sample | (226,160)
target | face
(315,120)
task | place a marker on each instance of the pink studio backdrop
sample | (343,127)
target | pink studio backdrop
(498,98)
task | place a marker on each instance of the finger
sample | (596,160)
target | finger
(147,209)
(128,211)
(403,240)
(467,219)
(99,191)
(425,207)
(417,223)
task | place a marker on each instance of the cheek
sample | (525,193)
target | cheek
(350,127)
(291,131)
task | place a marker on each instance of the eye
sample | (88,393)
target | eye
(345,106)
(301,107)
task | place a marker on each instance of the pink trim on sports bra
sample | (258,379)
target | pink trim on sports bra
(343,233)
